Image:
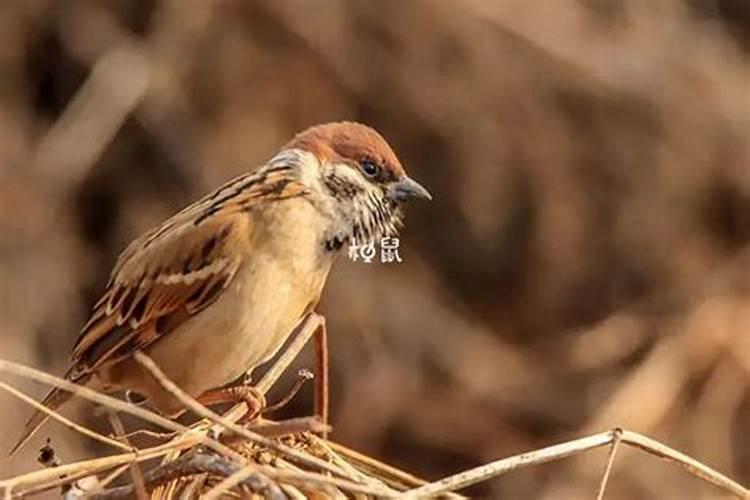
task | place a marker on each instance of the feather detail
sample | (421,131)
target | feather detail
(177,269)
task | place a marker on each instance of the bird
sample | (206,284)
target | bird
(216,289)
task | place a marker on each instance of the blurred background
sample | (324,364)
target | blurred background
(584,264)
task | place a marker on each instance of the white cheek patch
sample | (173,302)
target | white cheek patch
(360,213)
(350,175)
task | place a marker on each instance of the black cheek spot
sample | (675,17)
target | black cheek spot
(334,244)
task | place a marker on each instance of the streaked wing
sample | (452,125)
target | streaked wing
(175,270)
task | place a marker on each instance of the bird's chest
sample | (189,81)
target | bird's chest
(279,282)
(280,279)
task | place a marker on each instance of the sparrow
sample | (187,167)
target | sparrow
(216,289)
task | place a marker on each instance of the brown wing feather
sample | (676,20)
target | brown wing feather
(176,276)
(181,268)
(169,274)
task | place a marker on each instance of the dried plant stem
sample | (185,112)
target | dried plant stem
(391,475)
(236,478)
(281,428)
(112,403)
(689,464)
(65,421)
(322,402)
(204,412)
(556,452)
(109,478)
(610,463)
(308,329)
(272,375)
(190,465)
(135,469)
(45,479)
(300,477)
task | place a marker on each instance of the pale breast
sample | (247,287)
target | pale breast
(281,277)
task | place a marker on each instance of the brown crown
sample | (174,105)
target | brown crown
(348,142)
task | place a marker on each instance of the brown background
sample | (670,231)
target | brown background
(584,263)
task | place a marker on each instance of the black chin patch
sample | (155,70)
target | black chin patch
(334,244)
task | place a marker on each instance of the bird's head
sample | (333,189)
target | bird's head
(358,177)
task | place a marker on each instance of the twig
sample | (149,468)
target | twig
(610,462)
(109,478)
(241,477)
(204,412)
(271,376)
(42,480)
(689,464)
(135,469)
(293,454)
(289,354)
(110,402)
(274,429)
(305,478)
(322,402)
(556,452)
(391,475)
(151,434)
(302,376)
(63,420)
(191,465)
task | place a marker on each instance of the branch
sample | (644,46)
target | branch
(563,450)
(199,409)
(190,465)
(65,421)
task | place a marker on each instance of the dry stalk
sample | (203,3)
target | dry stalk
(111,403)
(610,463)
(563,450)
(135,468)
(65,421)
(204,412)
(347,470)
(227,424)
(45,479)
(194,464)
(387,473)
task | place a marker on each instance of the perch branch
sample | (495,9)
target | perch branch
(563,450)
(190,465)
(610,462)
(204,412)
(135,468)
(65,421)
(112,403)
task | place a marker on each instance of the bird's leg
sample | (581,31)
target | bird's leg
(253,398)
(321,367)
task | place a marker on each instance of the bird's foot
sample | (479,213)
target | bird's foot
(252,397)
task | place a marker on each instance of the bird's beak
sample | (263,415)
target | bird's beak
(407,189)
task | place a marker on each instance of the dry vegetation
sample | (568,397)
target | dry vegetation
(585,263)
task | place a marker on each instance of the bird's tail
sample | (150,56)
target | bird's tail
(53,400)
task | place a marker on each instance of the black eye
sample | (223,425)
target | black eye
(369,168)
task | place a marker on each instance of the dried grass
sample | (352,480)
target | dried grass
(295,465)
